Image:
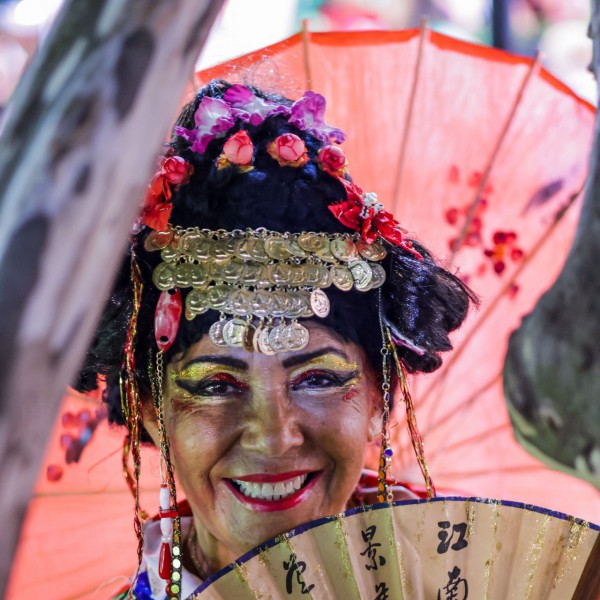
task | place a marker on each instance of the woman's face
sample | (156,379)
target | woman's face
(263,443)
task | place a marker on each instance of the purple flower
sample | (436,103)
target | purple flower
(250,108)
(308,114)
(213,118)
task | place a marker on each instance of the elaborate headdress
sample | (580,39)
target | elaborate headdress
(251,225)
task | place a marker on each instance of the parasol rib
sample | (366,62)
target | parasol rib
(409,114)
(540,243)
(533,68)
(306,53)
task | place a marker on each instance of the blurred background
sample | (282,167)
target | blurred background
(557,28)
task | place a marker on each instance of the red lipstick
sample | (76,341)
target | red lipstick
(286,503)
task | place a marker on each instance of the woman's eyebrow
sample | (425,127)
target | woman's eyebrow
(301,358)
(226,361)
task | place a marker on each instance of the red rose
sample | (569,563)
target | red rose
(176,170)
(238,149)
(288,150)
(332,159)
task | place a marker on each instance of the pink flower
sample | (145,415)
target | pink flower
(332,159)
(213,118)
(250,108)
(238,149)
(176,170)
(308,114)
(288,150)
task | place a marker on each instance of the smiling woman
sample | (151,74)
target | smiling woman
(266,312)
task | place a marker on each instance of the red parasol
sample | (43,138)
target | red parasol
(480,152)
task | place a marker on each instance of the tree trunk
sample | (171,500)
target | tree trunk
(552,369)
(80,142)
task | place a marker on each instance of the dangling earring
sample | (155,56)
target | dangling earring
(411,418)
(384,494)
(166,325)
(169,564)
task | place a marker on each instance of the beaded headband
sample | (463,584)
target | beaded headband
(266,275)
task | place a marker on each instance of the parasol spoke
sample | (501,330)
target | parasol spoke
(485,315)
(456,245)
(409,113)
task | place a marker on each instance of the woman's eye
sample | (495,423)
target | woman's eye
(218,385)
(320,379)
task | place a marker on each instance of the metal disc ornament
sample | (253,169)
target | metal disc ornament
(215,333)
(263,342)
(319,302)
(295,337)
(234,332)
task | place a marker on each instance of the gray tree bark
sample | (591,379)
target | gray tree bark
(82,135)
(552,368)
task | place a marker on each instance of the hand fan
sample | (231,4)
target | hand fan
(440,549)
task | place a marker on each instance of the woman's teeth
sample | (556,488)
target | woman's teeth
(271,491)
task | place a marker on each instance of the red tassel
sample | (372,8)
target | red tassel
(164,561)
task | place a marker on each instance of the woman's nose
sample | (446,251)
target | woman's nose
(272,427)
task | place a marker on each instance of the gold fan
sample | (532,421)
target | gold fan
(441,549)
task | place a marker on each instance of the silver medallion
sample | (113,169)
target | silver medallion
(342,278)
(170,254)
(281,303)
(183,275)
(374,251)
(197,302)
(232,270)
(344,249)
(275,248)
(215,333)
(261,303)
(234,333)
(201,249)
(319,302)
(379,275)
(263,342)
(163,276)
(188,242)
(292,246)
(218,296)
(280,273)
(276,338)
(362,274)
(198,276)
(313,242)
(241,302)
(295,337)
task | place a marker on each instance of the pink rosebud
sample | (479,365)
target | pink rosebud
(176,170)
(332,158)
(238,149)
(288,150)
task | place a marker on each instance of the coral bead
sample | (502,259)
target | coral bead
(166,318)
(164,561)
